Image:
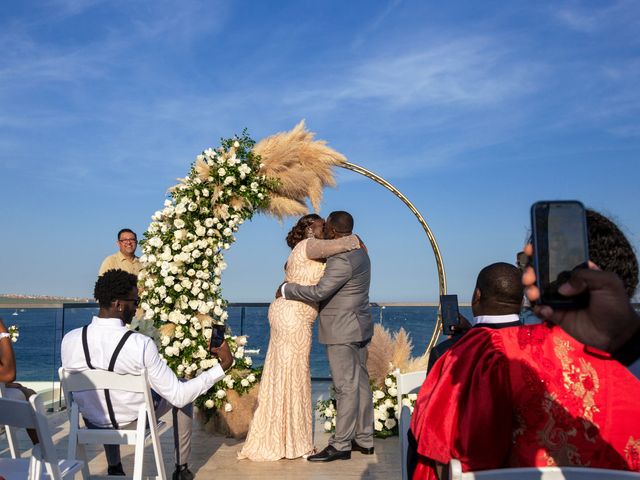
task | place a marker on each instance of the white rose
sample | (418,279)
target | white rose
(236,144)
(327,426)
(378,394)
(227,407)
(393,391)
(251,377)
(200,231)
(328,412)
(378,426)
(209,403)
(221,393)
(413,396)
(186,342)
(388,403)
(244,382)
(178,223)
(222,172)
(390,423)
(388,382)
(248,361)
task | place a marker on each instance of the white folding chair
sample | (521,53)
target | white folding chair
(406,383)
(101,380)
(21,414)
(12,438)
(540,473)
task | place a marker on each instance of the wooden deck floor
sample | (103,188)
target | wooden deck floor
(215,457)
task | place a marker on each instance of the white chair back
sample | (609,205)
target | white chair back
(540,473)
(406,383)
(12,438)
(30,414)
(87,380)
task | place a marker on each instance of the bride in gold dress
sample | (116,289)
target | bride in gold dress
(282,423)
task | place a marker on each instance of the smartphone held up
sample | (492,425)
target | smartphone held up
(560,246)
(217,336)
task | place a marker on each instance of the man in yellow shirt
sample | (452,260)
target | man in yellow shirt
(126,258)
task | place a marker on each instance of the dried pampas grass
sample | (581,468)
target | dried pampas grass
(388,352)
(301,165)
(380,354)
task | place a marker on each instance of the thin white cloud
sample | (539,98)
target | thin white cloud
(469,72)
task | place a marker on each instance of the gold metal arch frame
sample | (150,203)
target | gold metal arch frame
(442,279)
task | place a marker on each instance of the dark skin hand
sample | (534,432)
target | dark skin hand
(606,323)
(279,291)
(223,352)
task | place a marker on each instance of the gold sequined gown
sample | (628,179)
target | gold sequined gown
(282,423)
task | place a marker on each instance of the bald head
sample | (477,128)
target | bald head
(498,290)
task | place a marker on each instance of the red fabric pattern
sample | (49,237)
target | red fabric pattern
(527,396)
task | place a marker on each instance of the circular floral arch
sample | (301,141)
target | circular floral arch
(183,248)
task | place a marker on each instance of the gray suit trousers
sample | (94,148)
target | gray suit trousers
(354,409)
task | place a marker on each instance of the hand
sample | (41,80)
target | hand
(2,327)
(223,352)
(279,290)
(606,323)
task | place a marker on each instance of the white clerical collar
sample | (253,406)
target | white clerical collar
(496,319)
(107,322)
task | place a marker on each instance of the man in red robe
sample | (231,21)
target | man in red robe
(534,395)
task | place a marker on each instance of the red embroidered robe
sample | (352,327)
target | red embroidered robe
(527,396)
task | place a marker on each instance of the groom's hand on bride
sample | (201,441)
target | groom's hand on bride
(279,290)
(223,352)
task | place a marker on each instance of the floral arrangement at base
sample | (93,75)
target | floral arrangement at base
(235,422)
(386,353)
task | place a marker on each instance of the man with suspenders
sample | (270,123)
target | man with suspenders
(107,344)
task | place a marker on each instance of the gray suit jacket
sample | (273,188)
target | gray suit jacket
(343,295)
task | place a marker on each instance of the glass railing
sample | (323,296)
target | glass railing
(42,327)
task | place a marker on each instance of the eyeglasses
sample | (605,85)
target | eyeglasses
(135,301)
(128,240)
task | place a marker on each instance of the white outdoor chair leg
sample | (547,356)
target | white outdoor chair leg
(139,452)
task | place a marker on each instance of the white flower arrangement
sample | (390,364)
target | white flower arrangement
(183,261)
(386,353)
(14,333)
(385,408)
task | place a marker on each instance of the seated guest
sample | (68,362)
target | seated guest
(125,258)
(496,303)
(13,391)
(535,395)
(96,346)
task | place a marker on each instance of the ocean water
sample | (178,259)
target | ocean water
(41,330)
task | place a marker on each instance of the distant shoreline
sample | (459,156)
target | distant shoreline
(18,301)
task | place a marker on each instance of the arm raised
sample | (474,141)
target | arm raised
(337,272)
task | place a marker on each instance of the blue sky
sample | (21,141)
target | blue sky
(474,110)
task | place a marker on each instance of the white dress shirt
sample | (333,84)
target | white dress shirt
(139,351)
(496,319)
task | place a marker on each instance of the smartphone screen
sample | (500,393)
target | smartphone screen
(217,335)
(560,245)
(449,312)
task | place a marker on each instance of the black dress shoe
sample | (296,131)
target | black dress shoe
(363,450)
(182,473)
(329,454)
(115,470)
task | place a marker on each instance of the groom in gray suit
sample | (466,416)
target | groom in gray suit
(346,329)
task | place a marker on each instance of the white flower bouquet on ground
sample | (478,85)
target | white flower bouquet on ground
(386,353)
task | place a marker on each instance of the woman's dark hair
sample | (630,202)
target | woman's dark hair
(611,251)
(298,232)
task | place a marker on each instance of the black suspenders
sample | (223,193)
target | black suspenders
(112,363)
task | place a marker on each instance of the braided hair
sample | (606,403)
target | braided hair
(298,232)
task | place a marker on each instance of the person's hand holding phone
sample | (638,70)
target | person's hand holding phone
(606,323)
(223,353)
